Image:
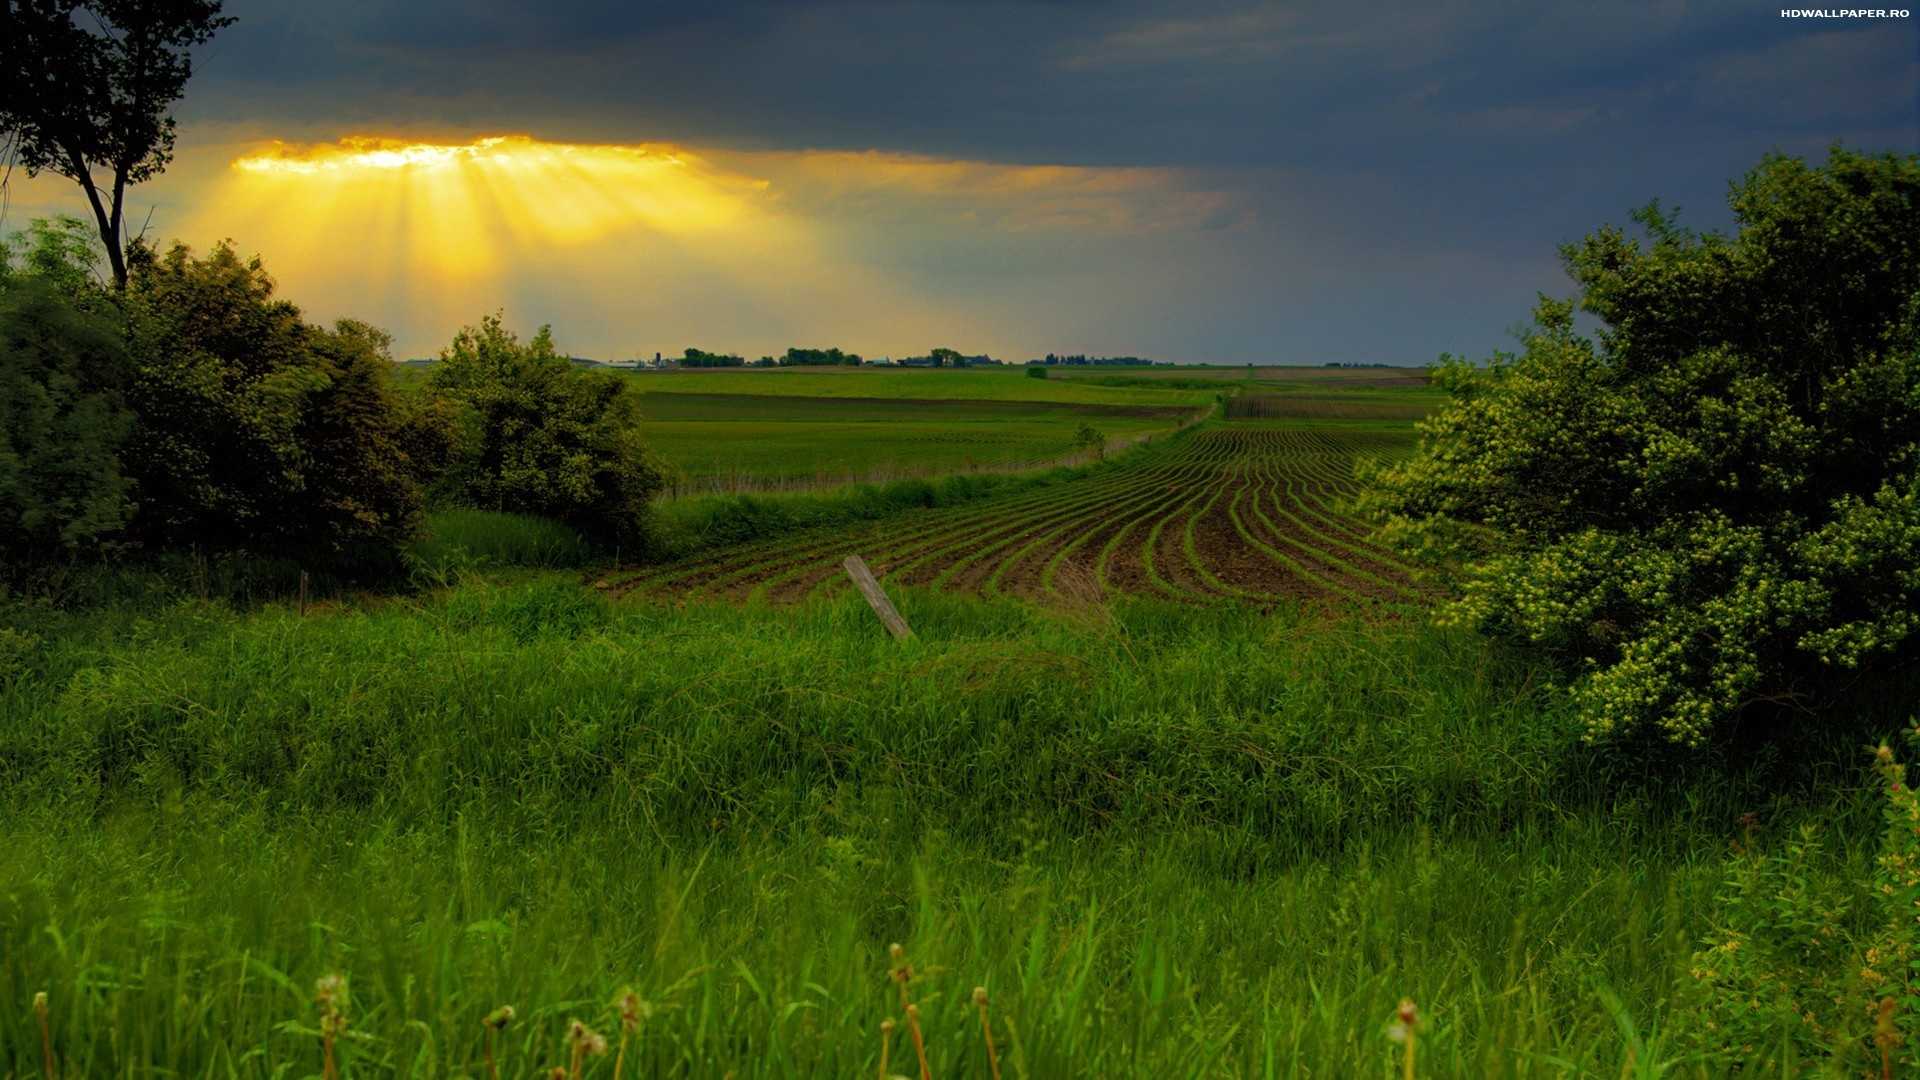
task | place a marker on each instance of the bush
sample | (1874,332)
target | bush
(1718,505)
(63,420)
(1036,372)
(258,431)
(536,435)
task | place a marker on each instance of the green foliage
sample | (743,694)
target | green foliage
(63,421)
(1717,506)
(700,358)
(1809,960)
(258,430)
(1089,438)
(1036,372)
(537,436)
(60,250)
(833,357)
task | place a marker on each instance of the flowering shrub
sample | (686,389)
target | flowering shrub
(1717,503)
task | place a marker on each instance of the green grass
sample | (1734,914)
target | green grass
(1171,842)
(468,539)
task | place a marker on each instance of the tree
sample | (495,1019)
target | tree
(85,89)
(257,430)
(1716,507)
(535,435)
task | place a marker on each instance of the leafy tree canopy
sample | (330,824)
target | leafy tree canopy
(85,89)
(1716,505)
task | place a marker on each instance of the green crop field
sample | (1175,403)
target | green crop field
(752,429)
(974,384)
(749,441)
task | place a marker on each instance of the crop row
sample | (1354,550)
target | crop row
(1236,512)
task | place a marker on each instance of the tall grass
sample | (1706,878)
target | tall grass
(465,538)
(1170,843)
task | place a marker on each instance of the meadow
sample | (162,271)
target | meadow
(512,791)
(1174,767)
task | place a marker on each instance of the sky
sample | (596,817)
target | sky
(1199,182)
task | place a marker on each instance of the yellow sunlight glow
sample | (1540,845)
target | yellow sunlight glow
(650,241)
(459,208)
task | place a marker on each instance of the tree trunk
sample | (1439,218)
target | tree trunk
(107,222)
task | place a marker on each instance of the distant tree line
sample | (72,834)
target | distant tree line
(1083,360)
(836,357)
(945,357)
(819,358)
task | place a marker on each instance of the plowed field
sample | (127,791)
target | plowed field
(1249,511)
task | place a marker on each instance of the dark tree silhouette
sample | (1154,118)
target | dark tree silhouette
(85,89)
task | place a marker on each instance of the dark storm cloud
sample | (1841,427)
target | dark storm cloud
(1183,84)
(1366,140)
(1543,101)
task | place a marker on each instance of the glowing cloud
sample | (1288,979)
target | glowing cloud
(622,246)
(455,200)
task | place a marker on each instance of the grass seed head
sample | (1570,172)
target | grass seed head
(585,1040)
(886,1026)
(499,1018)
(330,995)
(980,996)
(632,1011)
(330,990)
(40,1004)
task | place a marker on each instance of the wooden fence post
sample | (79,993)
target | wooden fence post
(856,568)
